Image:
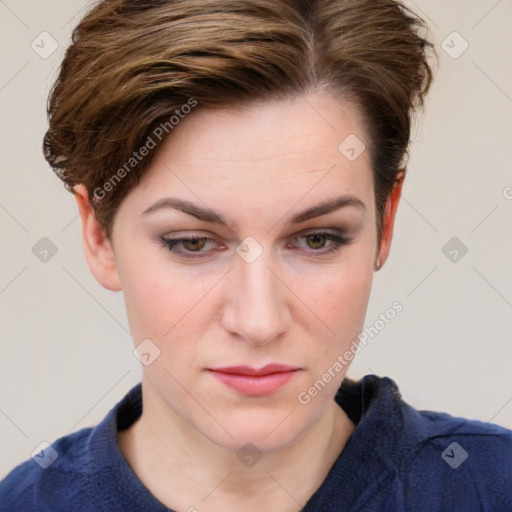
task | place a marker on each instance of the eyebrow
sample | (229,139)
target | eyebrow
(209,215)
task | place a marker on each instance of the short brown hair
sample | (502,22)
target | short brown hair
(133,64)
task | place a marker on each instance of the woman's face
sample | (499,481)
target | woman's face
(260,289)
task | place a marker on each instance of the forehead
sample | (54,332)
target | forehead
(280,150)
(290,128)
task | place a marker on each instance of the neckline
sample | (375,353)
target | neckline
(370,403)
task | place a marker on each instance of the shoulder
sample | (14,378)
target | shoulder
(454,462)
(467,461)
(54,477)
(426,460)
(80,471)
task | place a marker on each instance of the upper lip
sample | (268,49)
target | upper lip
(249,370)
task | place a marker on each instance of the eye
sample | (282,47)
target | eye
(317,240)
(193,246)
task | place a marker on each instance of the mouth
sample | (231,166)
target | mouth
(250,381)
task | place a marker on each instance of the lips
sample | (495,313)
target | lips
(255,382)
(249,370)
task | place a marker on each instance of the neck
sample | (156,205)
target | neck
(186,471)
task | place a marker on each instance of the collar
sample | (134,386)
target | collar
(375,448)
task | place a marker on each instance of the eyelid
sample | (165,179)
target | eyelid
(341,232)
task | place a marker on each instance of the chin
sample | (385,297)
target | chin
(266,431)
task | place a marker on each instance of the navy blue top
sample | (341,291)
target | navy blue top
(397,459)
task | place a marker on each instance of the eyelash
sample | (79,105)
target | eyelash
(338,242)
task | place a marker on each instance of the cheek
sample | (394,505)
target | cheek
(339,298)
(350,298)
(157,301)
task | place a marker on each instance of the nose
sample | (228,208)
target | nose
(257,302)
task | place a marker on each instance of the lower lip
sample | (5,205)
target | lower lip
(252,385)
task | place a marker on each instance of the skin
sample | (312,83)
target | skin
(258,166)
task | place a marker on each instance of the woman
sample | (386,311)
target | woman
(237,166)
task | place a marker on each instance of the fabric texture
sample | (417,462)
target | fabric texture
(397,459)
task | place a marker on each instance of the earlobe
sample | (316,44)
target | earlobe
(97,247)
(388,221)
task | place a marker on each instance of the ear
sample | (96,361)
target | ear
(388,221)
(97,248)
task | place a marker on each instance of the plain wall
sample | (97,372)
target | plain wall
(66,352)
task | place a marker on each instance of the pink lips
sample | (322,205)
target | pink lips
(252,382)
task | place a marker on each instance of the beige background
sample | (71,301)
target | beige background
(66,353)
